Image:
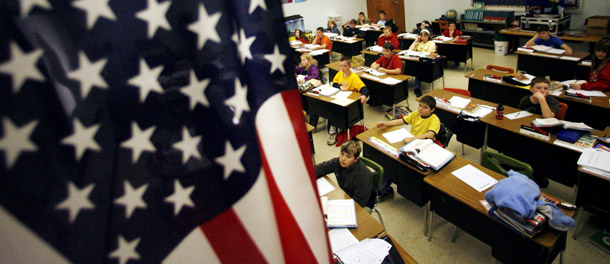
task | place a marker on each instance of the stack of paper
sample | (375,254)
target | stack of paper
(390,81)
(375,72)
(595,161)
(397,135)
(588,93)
(295,42)
(371,251)
(376,48)
(318,52)
(341,238)
(330,35)
(324,186)
(459,102)
(408,35)
(443,38)
(475,178)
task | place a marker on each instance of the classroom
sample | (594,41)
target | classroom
(405,214)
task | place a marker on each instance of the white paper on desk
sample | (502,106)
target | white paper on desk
(547,55)
(556,92)
(330,34)
(370,77)
(324,186)
(390,81)
(301,77)
(342,94)
(408,35)
(568,82)
(586,63)
(597,159)
(376,48)
(558,52)
(341,238)
(518,115)
(474,177)
(295,42)
(367,251)
(588,93)
(481,112)
(442,38)
(343,101)
(525,50)
(459,102)
(318,52)
(569,58)
(397,135)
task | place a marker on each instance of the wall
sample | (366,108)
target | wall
(316,12)
(590,8)
(418,10)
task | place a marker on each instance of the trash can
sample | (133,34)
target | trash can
(501,47)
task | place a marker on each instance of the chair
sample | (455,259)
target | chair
(377,178)
(561,113)
(444,135)
(443,25)
(500,68)
(462,92)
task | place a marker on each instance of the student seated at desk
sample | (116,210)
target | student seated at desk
(382,19)
(543,37)
(599,78)
(353,176)
(389,63)
(452,32)
(332,27)
(387,37)
(308,67)
(423,25)
(352,31)
(422,44)
(424,124)
(539,102)
(362,20)
(346,80)
(322,40)
(300,36)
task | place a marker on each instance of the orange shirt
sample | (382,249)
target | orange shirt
(325,41)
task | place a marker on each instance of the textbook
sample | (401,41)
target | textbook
(530,131)
(528,227)
(340,213)
(426,151)
(375,72)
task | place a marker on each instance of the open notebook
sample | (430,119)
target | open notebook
(426,151)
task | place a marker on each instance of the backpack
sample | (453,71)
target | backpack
(391,23)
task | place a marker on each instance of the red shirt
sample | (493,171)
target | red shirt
(393,39)
(393,63)
(598,80)
(456,33)
(304,40)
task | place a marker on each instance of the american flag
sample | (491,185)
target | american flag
(152,131)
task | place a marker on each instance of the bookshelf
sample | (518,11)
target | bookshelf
(484,37)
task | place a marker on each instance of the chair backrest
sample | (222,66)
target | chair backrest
(377,178)
(500,68)
(443,25)
(444,135)
(502,164)
(561,113)
(459,91)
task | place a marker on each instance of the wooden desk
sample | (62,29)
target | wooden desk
(547,159)
(408,178)
(582,71)
(406,257)
(458,52)
(541,64)
(322,59)
(342,117)
(371,35)
(516,33)
(595,113)
(591,195)
(381,93)
(424,71)
(310,130)
(348,49)
(460,204)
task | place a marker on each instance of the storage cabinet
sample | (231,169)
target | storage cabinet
(483,31)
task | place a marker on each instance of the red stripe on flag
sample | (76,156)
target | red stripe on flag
(230,240)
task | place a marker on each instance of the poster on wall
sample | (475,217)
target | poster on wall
(286,1)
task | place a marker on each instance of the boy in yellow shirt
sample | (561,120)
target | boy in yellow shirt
(424,124)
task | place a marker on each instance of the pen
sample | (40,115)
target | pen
(517,114)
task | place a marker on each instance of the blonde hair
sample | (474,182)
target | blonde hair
(331,22)
(311,60)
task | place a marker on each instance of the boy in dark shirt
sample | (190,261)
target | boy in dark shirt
(352,31)
(539,102)
(352,175)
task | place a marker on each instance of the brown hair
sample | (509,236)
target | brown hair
(331,22)
(429,100)
(597,64)
(346,58)
(351,147)
(388,46)
(539,79)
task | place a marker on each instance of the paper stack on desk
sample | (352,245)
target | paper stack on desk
(372,251)
(595,161)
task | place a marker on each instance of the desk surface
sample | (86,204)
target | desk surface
(577,54)
(595,101)
(450,42)
(518,32)
(335,66)
(447,183)
(406,257)
(354,41)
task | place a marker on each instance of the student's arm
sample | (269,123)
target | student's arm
(544,106)
(532,41)
(364,94)
(312,73)
(392,71)
(602,82)
(569,50)
(380,41)
(395,122)
(395,41)
(363,186)
(428,134)
(375,65)
(326,167)
(414,44)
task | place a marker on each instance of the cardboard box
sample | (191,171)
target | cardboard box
(598,21)
(597,31)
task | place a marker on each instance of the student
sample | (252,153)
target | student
(452,32)
(422,44)
(539,102)
(389,63)
(387,37)
(352,31)
(353,176)
(332,27)
(362,20)
(346,80)
(322,40)
(308,67)
(300,36)
(424,124)
(543,37)
(423,25)
(599,78)
(382,19)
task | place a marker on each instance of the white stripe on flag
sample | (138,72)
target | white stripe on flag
(255,211)
(195,248)
(286,163)
(19,244)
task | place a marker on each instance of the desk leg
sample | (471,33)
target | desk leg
(429,221)
(426,214)
(580,213)
(484,147)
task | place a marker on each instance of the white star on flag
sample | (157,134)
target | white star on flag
(180,197)
(82,139)
(277,60)
(88,74)
(147,80)
(231,161)
(132,198)
(22,66)
(154,15)
(256,3)
(205,27)
(28,5)
(244,46)
(16,140)
(188,145)
(94,10)
(77,200)
(139,141)
(126,250)
(238,102)
(195,91)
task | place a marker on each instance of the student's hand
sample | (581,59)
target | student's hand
(575,86)
(382,70)
(539,97)
(569,52)
(380,124)
(375,66)
(381,35)
(363,99)
(343,88)
(407,139)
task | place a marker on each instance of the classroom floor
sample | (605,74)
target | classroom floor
(405,221)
